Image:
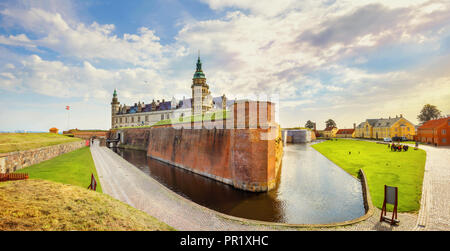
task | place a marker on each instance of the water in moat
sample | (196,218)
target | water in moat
(310,190)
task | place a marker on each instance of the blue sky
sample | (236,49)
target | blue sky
(345,60)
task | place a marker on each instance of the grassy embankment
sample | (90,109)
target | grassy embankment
(401,169)
(297,128)
(45,205)
(73,168)
(194,118)
(11,142)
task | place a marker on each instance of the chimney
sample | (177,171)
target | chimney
(401,115)
(389,117)
(396,116)
(314,126)
(354,125)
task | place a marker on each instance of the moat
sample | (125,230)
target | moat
(310,190)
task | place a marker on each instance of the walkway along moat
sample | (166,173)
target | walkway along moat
(310,190)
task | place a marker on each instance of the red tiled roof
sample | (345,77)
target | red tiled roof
(434,123)
(345,131)
(329,128)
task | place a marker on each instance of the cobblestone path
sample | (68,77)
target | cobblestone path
(123,181)
(434,211)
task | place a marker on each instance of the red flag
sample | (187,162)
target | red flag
(67,107)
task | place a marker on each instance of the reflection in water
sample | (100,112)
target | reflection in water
(310,190)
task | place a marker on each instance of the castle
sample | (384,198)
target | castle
(141,114)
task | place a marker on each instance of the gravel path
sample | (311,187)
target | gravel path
(435,205)
(123,181)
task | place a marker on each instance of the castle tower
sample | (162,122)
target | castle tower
(200,91)
(114,108)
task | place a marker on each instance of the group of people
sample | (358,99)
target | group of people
(398,147)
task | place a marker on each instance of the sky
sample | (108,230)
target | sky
(322,59)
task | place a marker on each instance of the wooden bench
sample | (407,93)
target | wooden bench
(13,176)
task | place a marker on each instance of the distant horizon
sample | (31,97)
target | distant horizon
(341,60)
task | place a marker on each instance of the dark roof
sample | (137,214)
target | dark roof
(163,106)
(372,122)
(330,128)
(133,109)
(147,108)
(185,104)
(386,122)
(380,122)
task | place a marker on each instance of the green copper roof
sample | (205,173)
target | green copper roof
(199,72)
(115,93)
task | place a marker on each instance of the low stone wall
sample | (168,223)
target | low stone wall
(10,162)
(368,206)
(88,134)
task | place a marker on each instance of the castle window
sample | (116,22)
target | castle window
(444,131)
(146,118)
(162,116)
(139,118)
(132,119)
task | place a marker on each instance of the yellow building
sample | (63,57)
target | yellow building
(383,128)
(330,132)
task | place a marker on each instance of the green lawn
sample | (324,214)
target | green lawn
(73,168)
(11,142)
(401,169)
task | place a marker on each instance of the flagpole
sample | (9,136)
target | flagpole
(68,117)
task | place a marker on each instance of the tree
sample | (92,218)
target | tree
(330,123)
(428,112)
(309,124)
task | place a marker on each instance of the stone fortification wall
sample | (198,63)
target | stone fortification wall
(245,152)
(10,162)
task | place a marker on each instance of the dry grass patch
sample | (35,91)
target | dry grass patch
(46,205)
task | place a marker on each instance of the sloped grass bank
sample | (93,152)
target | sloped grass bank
(45,205)
(404,170)
(11,142)
(73,168)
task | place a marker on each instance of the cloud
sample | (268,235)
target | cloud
(318,56)
(57,79)
(263,7)
(19,40)
(82,41)
(369,20)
